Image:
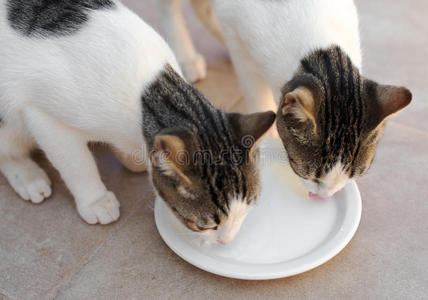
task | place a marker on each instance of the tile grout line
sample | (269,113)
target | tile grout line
(230,107)
(4,295)
(56,291)
(416,130)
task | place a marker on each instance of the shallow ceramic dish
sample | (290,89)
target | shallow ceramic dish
(287,233)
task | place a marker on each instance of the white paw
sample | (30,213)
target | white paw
(104,210)
(30,182)
(194,70)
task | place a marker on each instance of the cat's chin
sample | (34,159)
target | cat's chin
(208,239)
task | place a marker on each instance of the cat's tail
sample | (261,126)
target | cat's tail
(204,10)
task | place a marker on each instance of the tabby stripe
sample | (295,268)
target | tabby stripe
(308,69)
(354,158)
(214,199)
(332,120)
(152,112)
(351,95)
(193,116)
(343,107)
(211,121)
(228,134)
(360,104)
(189,115)
(244,186)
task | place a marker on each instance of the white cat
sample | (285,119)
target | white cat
(273,45)
(91,70)
(57,91)
(265,39)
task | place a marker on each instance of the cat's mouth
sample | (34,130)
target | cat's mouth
(315,196)
(329,184)
(323,194)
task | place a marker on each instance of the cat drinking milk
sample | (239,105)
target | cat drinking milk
(91,70)
(301,58)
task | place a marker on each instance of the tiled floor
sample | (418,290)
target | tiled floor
(46,251)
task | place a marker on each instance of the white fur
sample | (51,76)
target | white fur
(267,39)
(62,92)
(332,182)
(228,228)
(227,231)
(271,37)
(177,36)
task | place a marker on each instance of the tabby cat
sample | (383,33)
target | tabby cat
(76,71)
(303,59)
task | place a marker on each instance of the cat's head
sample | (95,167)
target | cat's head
(210,180)
(330,119)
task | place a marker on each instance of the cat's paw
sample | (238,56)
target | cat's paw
(30,183)
(194,70)
(104,210)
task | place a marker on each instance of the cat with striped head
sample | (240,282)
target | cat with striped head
(84,71)
(203,160)
(331,118)
(303,59)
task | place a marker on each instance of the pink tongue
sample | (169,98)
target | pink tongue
(315,196)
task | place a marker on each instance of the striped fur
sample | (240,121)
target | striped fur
(348,119)
(217,163)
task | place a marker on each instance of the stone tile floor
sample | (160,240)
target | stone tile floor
(46,251)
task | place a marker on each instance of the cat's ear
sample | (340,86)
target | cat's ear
(389,100)
(169,155)
(300,105)
(250,128)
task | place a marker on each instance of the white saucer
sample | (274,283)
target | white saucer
(285,234)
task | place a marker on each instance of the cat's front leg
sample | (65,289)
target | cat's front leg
(67,150)
(174,28)
(257,94)
(28,180)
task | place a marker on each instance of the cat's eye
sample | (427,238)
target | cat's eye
(209,228)
(192,225)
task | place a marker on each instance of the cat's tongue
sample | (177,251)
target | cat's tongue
(316,196)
